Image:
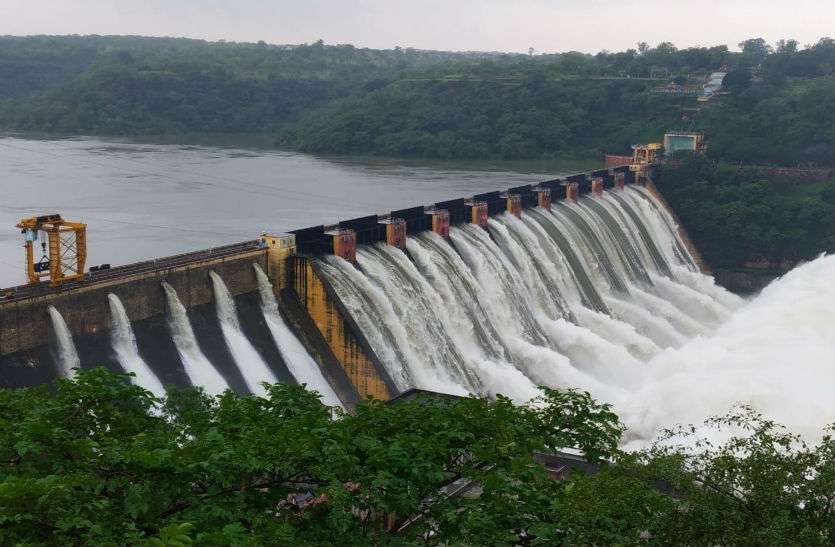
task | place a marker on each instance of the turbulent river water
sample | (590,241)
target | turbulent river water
(599,295)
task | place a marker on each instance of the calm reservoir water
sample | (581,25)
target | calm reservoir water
(143,201)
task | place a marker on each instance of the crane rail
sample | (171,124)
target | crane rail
(21,292)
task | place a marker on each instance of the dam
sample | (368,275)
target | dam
(489,294)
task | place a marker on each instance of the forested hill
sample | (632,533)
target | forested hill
(405,102)
(116,85)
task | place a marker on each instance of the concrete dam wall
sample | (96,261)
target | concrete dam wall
(27,335)
(347,333)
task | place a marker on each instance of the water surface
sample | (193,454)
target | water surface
(144,200)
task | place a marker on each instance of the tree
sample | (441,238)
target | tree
(713,200)
(342,99)
(101,461)
(754,51)
(737,80)
(787,47)
(765,485)
(92,463)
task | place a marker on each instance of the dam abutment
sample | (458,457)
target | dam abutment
(343,337)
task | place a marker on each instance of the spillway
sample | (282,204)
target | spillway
(65,347)
(199,369)
(126,349)
(252,366)
(302,366)
(599,294)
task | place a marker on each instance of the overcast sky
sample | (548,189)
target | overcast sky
(495,25)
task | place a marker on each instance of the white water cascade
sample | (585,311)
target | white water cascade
(67,354)
(199,369)
(776,353)
(252,366)
(600,295)
(302,366)
(127,352)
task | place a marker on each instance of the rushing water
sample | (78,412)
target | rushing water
(66,352)
(199,369)
(599,295)
(127,352)
(252,366)
(776,353)
(302,366)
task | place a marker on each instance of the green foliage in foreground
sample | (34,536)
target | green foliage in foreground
(92,462)
(735,215)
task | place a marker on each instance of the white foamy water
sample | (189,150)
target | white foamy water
(776,353)
(67,354)
(199,369)
(302,366)
(127,352)
(600,295)
(252,366)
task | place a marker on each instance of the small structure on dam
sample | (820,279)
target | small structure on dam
(298,326)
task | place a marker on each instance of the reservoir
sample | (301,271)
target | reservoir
(142,201)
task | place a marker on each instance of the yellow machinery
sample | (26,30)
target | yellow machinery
(643,157)
(644,154)
(64,248)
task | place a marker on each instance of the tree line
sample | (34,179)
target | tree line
(743,215)
(405,102)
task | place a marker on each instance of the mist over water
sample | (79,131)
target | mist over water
(776,353)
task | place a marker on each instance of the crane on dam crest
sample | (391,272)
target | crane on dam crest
(63,248)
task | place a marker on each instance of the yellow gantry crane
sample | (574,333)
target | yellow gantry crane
(64,248)
(643,154)
(643,157)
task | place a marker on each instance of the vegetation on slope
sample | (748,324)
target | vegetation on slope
(89,462)
(488,117)
(791,122)
(341,99)
(742,215)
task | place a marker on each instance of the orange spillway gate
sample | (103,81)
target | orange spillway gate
(478,213)
(64,248)
(440,221)
(345,244)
